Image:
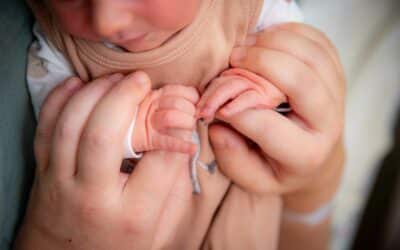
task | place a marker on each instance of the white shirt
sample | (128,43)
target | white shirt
(47,67)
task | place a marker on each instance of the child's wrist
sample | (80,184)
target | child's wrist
(322,189)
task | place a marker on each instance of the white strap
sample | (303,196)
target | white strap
(129,151)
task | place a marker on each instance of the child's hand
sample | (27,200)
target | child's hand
(237,90)
(166,119)
(301,153)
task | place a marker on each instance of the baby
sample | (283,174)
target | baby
(184,46)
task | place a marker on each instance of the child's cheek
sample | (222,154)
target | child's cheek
(76,23)
(171,14)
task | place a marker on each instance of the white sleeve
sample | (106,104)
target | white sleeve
(47,68)
(278,11)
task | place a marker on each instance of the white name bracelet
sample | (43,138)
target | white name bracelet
(129,151)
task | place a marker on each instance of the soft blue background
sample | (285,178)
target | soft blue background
(16,120)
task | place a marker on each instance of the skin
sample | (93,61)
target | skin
(307,170)
(172,199)
(139,26)
(121,22)
(312,136)
(236,90)
(70,145)
(170,108)
(144,25)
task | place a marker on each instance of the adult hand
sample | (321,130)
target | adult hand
(80,199)
(299,154)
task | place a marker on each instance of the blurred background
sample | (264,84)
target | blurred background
(367,34)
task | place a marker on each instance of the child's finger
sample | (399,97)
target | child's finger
(189,93)
(224,92)
(211,88)
(269,97)
(173,144)
(247,100)
(177,103)
(273,93)
(164,119)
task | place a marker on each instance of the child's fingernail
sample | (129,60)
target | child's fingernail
(225,112)
(250,40)
(73,83)
(238,54)
(198,112)
(206,121)
(199,116)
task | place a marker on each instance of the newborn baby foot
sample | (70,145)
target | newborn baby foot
(166,119)
(236,90)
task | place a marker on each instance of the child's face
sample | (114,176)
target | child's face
(136,25)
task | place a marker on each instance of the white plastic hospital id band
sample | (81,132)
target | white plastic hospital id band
(129,151)
(311,219)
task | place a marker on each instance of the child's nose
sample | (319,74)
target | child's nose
(109,18)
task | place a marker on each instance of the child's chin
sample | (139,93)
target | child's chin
(149,42)
(139,46)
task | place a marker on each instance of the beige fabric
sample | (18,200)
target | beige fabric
(192,57)
(222,216)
